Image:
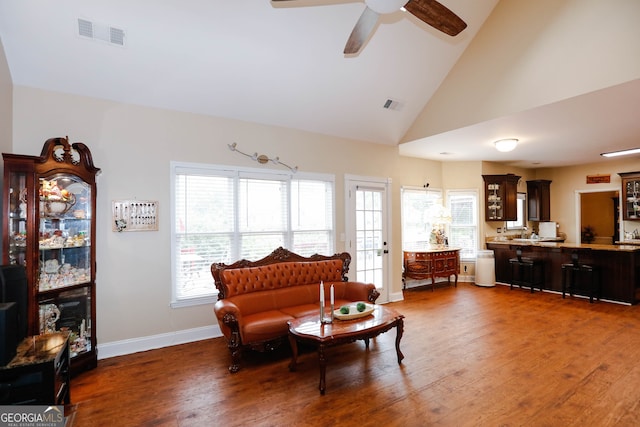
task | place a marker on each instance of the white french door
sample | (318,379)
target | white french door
(367,225)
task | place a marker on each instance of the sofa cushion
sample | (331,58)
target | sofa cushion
(303,310)
(279,275)
(255,302)
(264,326)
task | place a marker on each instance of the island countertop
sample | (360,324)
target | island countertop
(546,244)
(619,264)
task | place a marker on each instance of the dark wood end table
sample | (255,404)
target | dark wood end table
(309,330)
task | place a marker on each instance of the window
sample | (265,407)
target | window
(520,222)
(463,230)
(417,204)
(221,214)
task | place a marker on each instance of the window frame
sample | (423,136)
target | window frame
(238,173)
(436,194)
(521,222)
(476,218)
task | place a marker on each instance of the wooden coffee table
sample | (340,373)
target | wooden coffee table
(309,330)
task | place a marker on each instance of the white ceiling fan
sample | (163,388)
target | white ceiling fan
(429,11)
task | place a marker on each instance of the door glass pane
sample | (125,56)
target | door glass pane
(370,244)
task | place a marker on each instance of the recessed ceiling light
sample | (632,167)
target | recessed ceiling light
(621,152)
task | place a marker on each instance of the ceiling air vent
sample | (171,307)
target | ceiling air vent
(391,104)
(101,32)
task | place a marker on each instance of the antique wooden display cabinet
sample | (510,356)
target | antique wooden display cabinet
(49,227)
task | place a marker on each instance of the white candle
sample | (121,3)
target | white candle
(321,292)
(332,294)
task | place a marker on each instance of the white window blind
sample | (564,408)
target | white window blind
(463,230)
(222,215)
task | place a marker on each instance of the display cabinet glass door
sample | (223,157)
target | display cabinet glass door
(631,201)
(68,311)
(17,224)
(494,201)
(65,232)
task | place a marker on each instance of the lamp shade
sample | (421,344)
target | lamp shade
(505,145)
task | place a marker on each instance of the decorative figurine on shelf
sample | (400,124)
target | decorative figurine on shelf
(49,315)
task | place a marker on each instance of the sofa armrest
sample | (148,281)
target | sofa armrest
(358,291)
(229,318)
(228,315)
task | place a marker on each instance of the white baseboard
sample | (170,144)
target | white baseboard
(134,345)
(396,296)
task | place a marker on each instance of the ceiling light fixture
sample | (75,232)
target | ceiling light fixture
(621,152)
(506,145)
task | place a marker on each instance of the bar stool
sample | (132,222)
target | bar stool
(580,274)
(526,271)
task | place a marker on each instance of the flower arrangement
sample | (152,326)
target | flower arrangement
(588,234)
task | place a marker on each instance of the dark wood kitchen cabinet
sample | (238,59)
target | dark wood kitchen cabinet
(501,193)
(538,200)
(630,195)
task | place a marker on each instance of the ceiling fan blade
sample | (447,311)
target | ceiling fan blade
(436,15)
(362,31)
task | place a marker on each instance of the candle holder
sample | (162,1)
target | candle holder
(324,319)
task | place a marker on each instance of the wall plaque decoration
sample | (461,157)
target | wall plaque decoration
(598,179)
(135,215)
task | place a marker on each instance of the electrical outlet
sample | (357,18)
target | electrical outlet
(499,230)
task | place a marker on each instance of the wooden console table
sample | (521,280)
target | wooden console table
(431,263)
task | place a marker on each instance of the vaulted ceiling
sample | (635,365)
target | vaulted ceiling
(553,73)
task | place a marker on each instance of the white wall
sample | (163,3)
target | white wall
(133,146)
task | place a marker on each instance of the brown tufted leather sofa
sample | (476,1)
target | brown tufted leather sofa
(257,298)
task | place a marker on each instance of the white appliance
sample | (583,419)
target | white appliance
(548,230)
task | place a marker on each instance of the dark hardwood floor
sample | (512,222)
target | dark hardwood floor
(473,357)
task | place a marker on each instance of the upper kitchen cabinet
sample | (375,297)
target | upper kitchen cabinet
(630,195)
(539,196)
(49,227)
(501,192)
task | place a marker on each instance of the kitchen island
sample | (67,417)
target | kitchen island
(619,265)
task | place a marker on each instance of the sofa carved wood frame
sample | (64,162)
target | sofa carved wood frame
(281,254)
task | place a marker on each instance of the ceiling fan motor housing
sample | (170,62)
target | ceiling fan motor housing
(385,6)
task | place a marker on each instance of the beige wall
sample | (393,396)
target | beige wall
(133,146)
(506,68)
(569,182)
(6,118)
(6,95)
